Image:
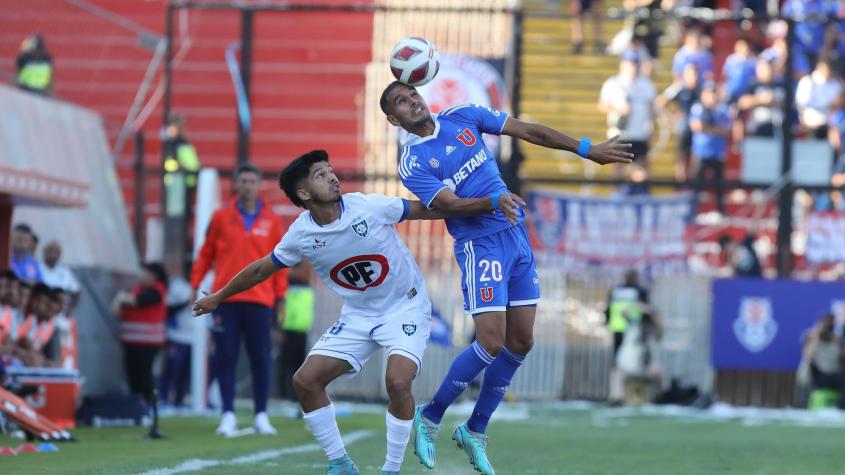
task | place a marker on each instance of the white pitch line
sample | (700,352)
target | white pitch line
(193,465)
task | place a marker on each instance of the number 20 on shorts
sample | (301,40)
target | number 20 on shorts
(490,270)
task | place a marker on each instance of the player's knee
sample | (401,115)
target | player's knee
(397,386)
(521,345)
(493,346)
(305,384)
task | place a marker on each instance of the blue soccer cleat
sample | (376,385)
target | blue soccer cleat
(475,446)
(342,466)
(425,438)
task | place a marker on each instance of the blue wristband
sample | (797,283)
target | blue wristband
(584,146)
(494,200)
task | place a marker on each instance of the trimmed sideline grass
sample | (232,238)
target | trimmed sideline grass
(549,441)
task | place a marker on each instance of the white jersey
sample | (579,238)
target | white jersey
(359,256)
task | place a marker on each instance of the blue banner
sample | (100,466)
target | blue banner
(758,324)
(612,235)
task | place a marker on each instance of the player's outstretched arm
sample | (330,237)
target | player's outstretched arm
(250,276)
(447,205)
(610,151)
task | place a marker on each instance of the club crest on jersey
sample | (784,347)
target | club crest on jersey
(318,244)
(434,163)
(487,294)
(450,149)
(361,228)
(409,328)
(466,137)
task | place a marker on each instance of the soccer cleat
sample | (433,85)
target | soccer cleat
(262,426)
(385,472)
(475,446)
(425,438)
(342,466)
(228,424)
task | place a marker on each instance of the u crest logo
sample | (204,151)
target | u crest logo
(467,138)
(487,294)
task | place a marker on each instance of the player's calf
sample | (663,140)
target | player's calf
(399,418)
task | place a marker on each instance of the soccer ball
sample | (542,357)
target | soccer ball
(414,61)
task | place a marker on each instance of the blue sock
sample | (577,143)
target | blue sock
(497,378)
(463,370)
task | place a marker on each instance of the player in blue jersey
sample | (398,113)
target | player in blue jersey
(447,165)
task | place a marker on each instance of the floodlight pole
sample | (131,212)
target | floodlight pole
(247,17)
(787,192)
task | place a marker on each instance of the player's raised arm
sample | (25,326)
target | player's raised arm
(448,205)
(610,151)
(250,276)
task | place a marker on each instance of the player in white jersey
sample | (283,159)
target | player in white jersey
(354,248)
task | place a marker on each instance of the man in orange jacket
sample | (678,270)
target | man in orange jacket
(237,235)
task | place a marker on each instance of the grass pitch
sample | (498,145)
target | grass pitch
(536,439)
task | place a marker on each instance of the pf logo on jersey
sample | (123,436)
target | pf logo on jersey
(360,272)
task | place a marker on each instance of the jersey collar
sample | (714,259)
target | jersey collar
(414,139)
(339,217)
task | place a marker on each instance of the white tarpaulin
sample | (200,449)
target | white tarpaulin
(57,139)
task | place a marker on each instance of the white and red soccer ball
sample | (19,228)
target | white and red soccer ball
(414,61)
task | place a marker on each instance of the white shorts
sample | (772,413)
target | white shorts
(404,331)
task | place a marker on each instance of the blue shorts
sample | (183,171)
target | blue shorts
(498,271)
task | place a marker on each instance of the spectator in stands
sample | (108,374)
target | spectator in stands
(821,363)
(59,275)
(776,53)
(834,47)
(637,52)
(693,52)
(580,8)
(180,335)
(738,72)
(710,123)
(684,95)
(636,186)
(23,261)
(294,324)
(741,257)
(763,103)
(815,97)
(648,28)
(35,66)
(142,311)
(810,23)
(757,24)
(237,234)
(833,201)
(628,100)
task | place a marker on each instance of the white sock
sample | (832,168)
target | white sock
(323,425)
(398,433)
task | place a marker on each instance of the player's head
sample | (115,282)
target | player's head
(404,106)
(246,181)
(309,180)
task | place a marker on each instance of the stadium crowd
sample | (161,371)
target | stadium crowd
(715,108)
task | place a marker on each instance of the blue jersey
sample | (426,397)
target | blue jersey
(455,157)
